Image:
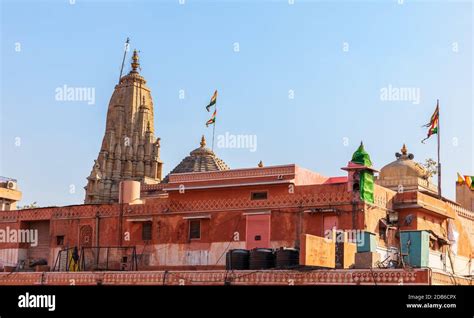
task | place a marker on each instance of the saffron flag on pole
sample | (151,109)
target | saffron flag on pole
(460,178)
(212,120)
(469,182)
(433,124)
(213,100)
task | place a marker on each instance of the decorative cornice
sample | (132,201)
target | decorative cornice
(233,173)
(221,277)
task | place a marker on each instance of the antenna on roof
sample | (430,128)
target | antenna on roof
(127,45)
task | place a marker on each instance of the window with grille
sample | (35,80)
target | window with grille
(146,231)
(259,195)
(60,240)
(194,229)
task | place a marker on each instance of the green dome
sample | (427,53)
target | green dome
(361,156)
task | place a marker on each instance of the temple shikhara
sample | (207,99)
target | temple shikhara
(207,223)
(129,149)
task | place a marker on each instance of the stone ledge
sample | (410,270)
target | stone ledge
(221,277)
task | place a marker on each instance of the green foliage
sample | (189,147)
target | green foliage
(29,206)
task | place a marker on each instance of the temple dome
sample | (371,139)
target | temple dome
(403,167)
(201,159)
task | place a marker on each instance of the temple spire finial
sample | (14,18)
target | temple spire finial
(203,142)
(135,62)
(404,150)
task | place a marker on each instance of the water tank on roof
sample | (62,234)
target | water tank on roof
(287,258)
(237,259)
(261,258)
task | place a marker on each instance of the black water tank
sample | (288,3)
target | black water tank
(262,258)
(237,259)
(287,258)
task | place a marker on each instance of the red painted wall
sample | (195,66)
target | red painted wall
(258,231)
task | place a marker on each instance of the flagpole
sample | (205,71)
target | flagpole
(439,146)
(214,127)
(124,55)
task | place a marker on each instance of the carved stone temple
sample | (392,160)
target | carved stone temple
(129,148)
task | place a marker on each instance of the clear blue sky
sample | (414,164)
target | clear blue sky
(282,47)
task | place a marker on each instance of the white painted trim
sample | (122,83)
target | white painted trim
(197,217)
(229,185)
(140,220)
(258,213)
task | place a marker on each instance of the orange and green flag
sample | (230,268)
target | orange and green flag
(212,120)
(469,181)
(433,124)
(213,100)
